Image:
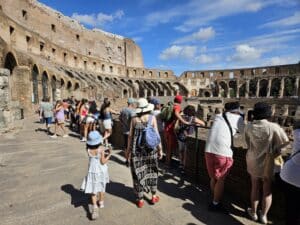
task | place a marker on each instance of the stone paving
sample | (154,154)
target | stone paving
(40,180)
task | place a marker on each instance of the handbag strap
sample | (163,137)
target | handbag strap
(230,128)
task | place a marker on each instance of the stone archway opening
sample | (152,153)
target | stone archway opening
(289,86)
(263,88)
(45,80)
(69,86)
(53,88)
(252,88)
(77,86)
(35,85)
(224,89)
(232,88)
(10,62)
(275,87)
(207,94)
(242,90)
(125,93)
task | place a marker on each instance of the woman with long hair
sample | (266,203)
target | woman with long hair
(106,114)
(143,159)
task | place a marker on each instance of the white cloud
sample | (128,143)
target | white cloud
(98,20)
(203,34)
(281,60)
(178,52)
(205,59)
(288,21)
(245,53)
(137,39)
(196,13)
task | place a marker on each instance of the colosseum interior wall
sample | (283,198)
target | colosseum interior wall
(49,54)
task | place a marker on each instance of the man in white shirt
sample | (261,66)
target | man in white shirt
(218,149)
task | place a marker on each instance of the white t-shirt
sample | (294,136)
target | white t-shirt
(219,137)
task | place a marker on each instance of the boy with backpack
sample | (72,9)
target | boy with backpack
(169,115)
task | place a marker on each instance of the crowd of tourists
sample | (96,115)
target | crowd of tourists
(152,130)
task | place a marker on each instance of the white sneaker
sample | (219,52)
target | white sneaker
(53,136)
(66,135)
(252,215)
(263,219)
(83,140)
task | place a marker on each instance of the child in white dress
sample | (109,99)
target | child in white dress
(97,176)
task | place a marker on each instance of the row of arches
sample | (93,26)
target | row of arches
(43,84)
(275,87)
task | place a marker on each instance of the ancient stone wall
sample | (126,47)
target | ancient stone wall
(272,81)
(10,111)
(69,34)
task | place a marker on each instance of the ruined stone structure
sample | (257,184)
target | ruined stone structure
(48,54)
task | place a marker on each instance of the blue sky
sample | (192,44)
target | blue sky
(197,34)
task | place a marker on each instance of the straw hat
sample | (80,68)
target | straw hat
(143,106)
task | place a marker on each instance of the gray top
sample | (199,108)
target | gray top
(47,109)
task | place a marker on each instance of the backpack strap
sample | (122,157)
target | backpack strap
(230,128)
(149,120)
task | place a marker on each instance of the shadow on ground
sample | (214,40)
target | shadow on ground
(78,198)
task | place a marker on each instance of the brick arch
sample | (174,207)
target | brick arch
(35,73)
(224,86)
(53,87)
(289,86)
(69,85)
(275,87)
(242,90)
(252,87)
(45,84)
(263,88)
(232,85)
(10,62)
(76,86)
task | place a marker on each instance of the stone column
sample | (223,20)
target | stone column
(297,86)
(257,88)
(269,88)
(22,87)
(228,91)
(165,92)
(237,88)
(219,90)
(281,91)
(247,88)
(145,93)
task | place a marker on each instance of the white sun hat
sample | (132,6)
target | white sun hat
(143,106)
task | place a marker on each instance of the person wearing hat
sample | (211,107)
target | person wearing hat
(143,160)
(265,140)
(218,150)
(97,177)
(290,175)
(169,133)
(125,119)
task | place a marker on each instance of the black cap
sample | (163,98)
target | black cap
(262,110)
(232,106)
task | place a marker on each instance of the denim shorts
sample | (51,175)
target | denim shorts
(48,120)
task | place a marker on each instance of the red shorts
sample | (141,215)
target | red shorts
(217,166)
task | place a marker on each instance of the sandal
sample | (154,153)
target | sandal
(154,199)
(140,203)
